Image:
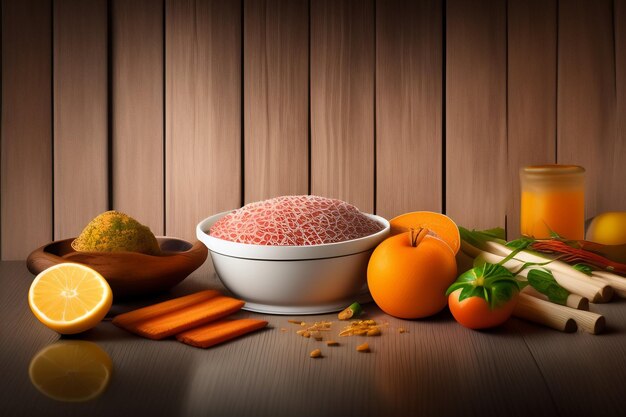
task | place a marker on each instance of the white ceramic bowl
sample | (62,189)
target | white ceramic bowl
(310,279)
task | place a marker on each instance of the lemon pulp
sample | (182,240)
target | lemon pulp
(70,298)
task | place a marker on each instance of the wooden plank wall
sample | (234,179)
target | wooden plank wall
(203,112)
(586,119)
(172,110)
(342,101)
(531,98)
(80,122)
(475,97)
(620,86)
(137,110)
(276,104)
(409,58)
(26,154)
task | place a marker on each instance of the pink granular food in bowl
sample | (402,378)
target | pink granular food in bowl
(300,220)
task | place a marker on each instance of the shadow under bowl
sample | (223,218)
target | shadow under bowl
(128,273)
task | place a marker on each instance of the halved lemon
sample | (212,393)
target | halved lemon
(70,298)
(73,370)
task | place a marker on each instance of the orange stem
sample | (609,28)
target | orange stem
(416,238)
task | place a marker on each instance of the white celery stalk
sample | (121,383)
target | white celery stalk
(593,290)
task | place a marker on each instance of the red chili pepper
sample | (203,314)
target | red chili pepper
(573,255)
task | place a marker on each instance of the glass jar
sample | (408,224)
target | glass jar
(553,198)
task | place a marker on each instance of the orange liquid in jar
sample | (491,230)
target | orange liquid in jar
(553,199)
(562,211)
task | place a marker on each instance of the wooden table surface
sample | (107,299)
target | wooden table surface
(436,368)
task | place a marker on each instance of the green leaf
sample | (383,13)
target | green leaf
(585,269)
(529,264)
(553,234)
(452,288)
(492,282)
(478,238)
(470,291)
(502,292)
(512,255)
(466,279)
(522,242)
(497,233)
(493,271)
(544,282)
(471,275)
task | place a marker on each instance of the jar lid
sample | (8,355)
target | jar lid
(553,169)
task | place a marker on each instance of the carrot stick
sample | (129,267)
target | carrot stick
(219,332)
(187,318)
(166,307)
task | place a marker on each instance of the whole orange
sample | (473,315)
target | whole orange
(408,275)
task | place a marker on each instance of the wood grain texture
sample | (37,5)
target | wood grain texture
(270,373)
(276,98)
(137,94)
(366,145)
(595,357)
(587,102)
(26,148)
(531,99)
(80,114)
(203,112)
(342,101)
(620,86)
(476,112)
(408,106)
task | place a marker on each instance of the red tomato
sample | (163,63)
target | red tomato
(475,313)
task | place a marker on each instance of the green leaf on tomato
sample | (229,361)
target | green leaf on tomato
(492,282)
(502,291)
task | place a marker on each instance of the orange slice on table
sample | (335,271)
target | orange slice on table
(438,224)
(71,371)
(70,298)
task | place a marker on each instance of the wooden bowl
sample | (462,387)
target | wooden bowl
(128,273)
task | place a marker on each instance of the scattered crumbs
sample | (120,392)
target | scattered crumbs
(316,353)
(363,348)
(374,331)
(314,329)
(332,343)
(402,330)
(361,328)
